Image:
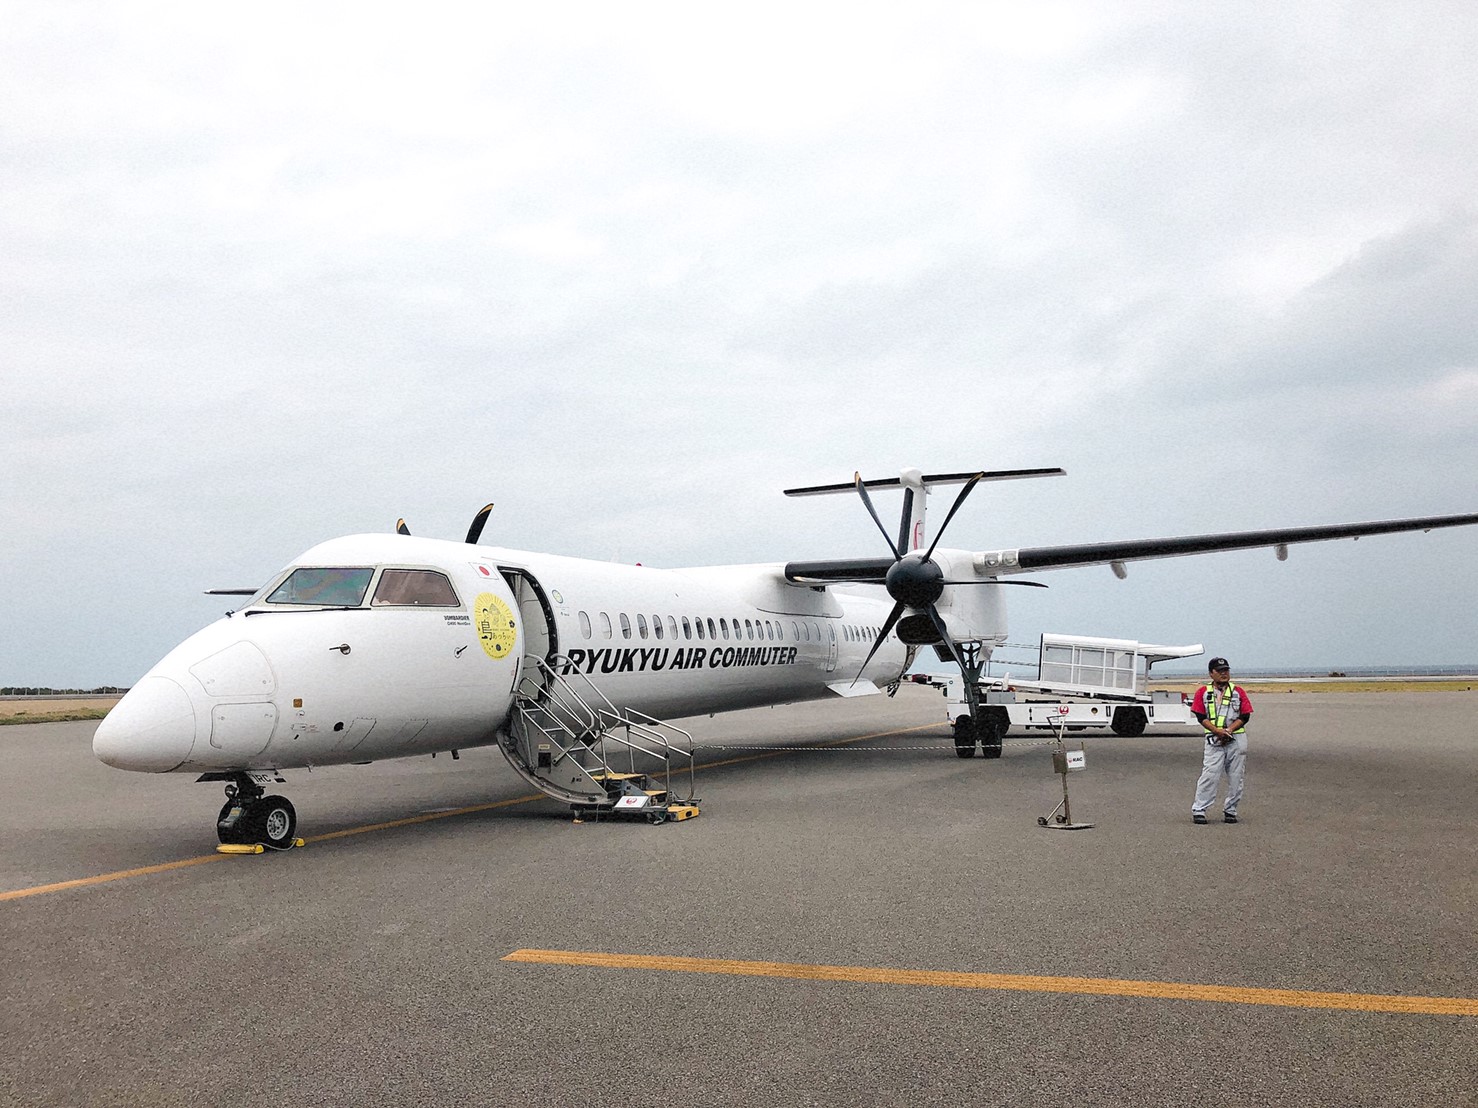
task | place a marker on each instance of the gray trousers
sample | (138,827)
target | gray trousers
(1231,760)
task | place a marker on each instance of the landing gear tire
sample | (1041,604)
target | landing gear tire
(994,725)
(269,820)
(965,737)
(1128,722)
(274,822)
(231,823)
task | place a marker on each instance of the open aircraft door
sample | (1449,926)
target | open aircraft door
(535,614)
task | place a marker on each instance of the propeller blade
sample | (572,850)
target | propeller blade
(903,528)
(949,642)
(475,531)
(996,581)
(867,500)
(953,508)
(401,528)
(893,617)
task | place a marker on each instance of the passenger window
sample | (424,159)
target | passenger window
(723,627)
(329,588)
(795,629)
(672,628)
(748,629)
(698,624)
(657,626)
(423,588)
(625,626)
(584,625)
(769,630)
(605,626)
(687,630)
(641,625)
(712,631)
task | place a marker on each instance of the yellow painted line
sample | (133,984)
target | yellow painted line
(103,878)
(1088,986)
(145,871)
(426,817)
(835,742)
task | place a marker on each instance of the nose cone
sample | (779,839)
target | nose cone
(151,729)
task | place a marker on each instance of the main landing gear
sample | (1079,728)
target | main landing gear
(249,818)
(987,728)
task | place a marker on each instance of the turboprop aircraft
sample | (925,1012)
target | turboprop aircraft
(390,645)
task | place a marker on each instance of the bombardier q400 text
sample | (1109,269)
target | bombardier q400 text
(388,645)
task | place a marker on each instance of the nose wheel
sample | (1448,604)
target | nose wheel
(249,818)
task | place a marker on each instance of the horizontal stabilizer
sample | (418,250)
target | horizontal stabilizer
(929,480)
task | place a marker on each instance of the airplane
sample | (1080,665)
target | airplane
(378,646)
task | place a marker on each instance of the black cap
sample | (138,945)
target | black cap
(1217,663)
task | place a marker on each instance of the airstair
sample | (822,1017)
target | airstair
(569,741)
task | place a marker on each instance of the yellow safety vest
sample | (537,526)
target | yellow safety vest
(1219,706)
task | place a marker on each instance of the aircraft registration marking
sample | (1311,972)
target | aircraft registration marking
(1087,986)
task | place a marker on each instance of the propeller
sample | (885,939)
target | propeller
(474,532)
(915,581)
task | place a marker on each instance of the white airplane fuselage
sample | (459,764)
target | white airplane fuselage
(291,682)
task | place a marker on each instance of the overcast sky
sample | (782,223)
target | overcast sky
(277,273)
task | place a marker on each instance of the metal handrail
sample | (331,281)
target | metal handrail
(545,696)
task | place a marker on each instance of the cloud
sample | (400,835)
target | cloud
(629,272)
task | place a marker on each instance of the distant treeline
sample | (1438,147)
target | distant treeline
(35,690)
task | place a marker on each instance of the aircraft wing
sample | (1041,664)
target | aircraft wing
(1106,553)
(833,571)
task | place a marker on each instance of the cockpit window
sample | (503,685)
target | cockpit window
(328,588)
(423,588)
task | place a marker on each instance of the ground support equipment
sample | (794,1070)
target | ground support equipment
(630,796)
(1064,761)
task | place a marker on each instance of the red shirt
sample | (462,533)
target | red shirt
(1241,703)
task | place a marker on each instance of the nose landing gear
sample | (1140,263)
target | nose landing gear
(249,818)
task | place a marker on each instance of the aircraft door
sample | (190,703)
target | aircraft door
(535,615)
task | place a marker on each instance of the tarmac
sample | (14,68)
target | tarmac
(867,920)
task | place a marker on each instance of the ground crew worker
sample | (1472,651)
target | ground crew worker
(1223,709)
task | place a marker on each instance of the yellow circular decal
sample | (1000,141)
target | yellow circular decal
(496,627)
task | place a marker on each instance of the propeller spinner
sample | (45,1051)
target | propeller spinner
(915,581)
